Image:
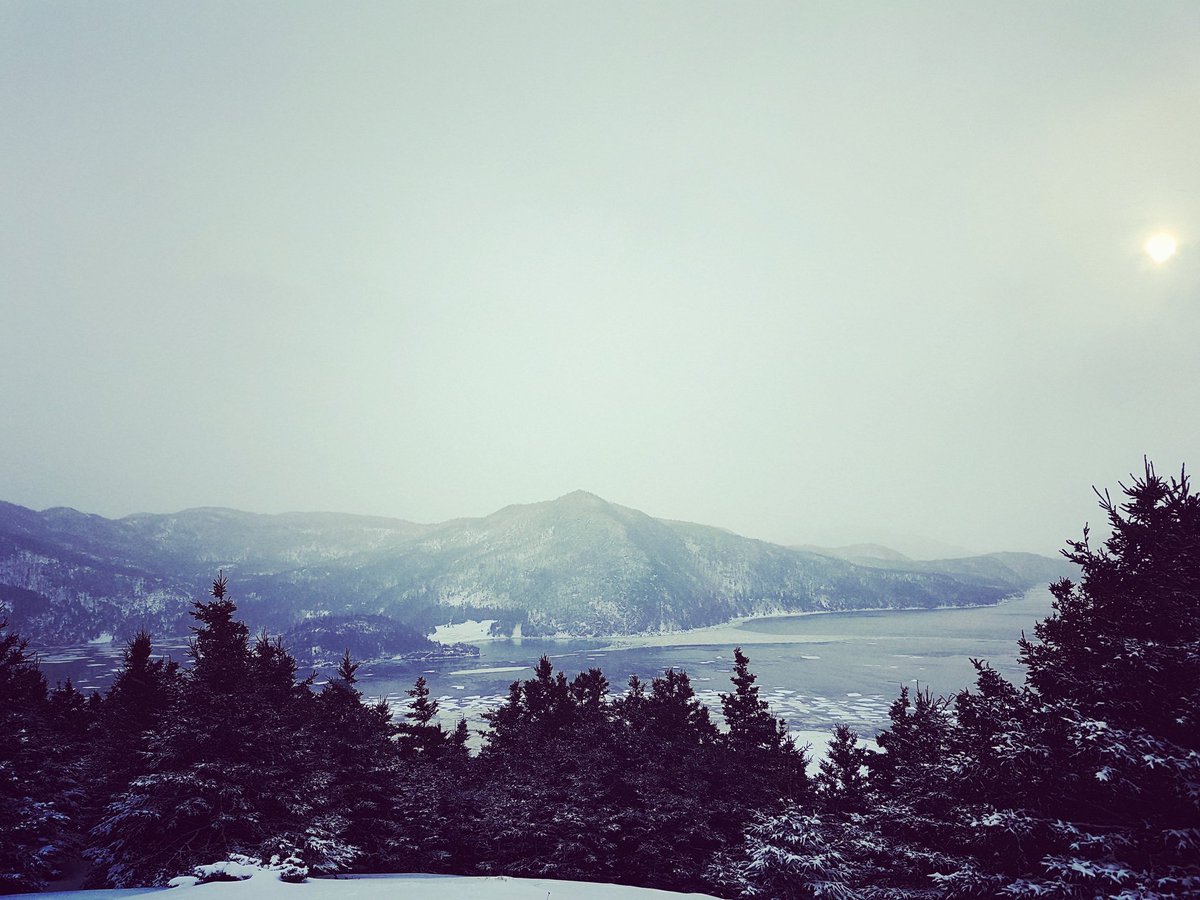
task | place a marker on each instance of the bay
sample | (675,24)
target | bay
(815,670)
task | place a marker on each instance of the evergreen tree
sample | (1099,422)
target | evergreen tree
(384,812)
(421,735)
(798,855)
(142,690)
(458,753)
(71,725)
(535,710)
(279,729)
(915,742)
(421,710)
(677,801)
(766,764)
(574,784)
(842,781)
(543,777)
(631,707)
(1123,645)
(750,722)
(1114,677)
(220,645)
(675,715)
(209,782)
(547,697)
(993,727)
(505,722)
(34,821)
(589,692)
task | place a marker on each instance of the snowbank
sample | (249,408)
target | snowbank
(267,886)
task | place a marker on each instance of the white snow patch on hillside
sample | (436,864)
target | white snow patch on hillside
(471,631)
(265,885)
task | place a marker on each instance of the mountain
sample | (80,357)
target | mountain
(869,554)
(576,565)
(1000,568)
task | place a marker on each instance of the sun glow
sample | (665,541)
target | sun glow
(1161,247)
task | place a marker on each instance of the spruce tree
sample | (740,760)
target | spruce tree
(915,742)
(679,810)
(420,734)
(422,710)
(1114,679)
(199,792)
(749,720)
(1123,645)
(458,754)
(361,780)
(674,713)
(842,780)
(547,697)
(763,760)
(220,645)
(589,692)
(280,732)
(34,822)
(140,694)
(506,722)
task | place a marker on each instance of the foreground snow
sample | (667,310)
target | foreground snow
(266,885)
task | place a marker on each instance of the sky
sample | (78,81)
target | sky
(812,272)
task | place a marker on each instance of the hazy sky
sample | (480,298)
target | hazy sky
(808,271)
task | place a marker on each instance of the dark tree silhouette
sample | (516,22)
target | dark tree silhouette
(1123,645)
(32,817)
(842,779)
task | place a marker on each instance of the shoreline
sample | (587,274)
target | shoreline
(733,633)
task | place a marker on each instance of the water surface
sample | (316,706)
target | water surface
(815,670)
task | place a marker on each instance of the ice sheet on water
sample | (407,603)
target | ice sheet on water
(494,670)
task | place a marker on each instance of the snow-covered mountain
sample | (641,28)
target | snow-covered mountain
(576,565)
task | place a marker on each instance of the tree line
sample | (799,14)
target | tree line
(1083,781)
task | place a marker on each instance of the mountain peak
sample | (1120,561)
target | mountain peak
(581,496)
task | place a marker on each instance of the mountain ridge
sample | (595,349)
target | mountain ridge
(576,565)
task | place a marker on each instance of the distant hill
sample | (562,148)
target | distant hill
(577,565)
(869,553)
(999,568)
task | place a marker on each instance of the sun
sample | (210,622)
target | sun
(1161,247)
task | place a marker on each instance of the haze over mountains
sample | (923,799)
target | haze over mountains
(577,565)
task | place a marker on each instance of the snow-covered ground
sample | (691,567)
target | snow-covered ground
(265,885)
(468,632)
